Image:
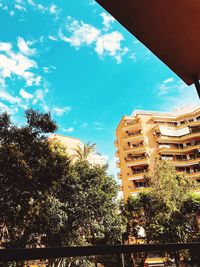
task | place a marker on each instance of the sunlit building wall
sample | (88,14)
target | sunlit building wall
(146,135)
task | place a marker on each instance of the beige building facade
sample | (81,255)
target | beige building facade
(71,143)
(146,135)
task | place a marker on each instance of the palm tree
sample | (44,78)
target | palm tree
(82,152)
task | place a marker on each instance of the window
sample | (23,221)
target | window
(140,184)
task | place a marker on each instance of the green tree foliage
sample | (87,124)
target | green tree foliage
(47,199)
(161,210)
(168,211)
(80,211)
(28,169)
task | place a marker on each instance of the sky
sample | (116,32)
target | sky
(71,58)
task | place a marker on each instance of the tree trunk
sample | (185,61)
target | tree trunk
(70,263)
(177,258)
(133,260)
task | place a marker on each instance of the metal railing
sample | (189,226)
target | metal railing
(65,252)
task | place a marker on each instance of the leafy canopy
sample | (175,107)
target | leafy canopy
(28,170)
(163,211)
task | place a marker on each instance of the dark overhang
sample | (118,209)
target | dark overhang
(169,28)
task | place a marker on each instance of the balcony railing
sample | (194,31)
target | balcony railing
(138,161)
(179,125)
(14,255)
(134,146)
(134,135)
(163,138)
(135,173)
(132,128)
(194,158)
(183,162)
(180,147)
(129,159)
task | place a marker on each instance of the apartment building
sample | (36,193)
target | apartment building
(145,135)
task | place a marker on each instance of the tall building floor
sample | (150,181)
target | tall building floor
(146,135)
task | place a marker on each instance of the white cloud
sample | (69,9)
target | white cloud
(40,7)
(51,9)
(68,130)
(40,99)
(2,83)
(52,38)
(19,1)
(59,111)
(5,108)
(169,80)
(26,5)
(133,57)
(24,47)
(166,86)
(80,34)
(54,10)
(111,44)
(46,70)
(98,126)
(176,94)
(6,47)
(20,7)
(4,95)
(39,94)
(92,3)
(17,64)
(107,20)
(24,94)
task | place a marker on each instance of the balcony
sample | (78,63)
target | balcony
(178,125)
(173,149)
(135,190)
(136,136)
(194,175)
(136,126)
(130,122)
(167,139)
(137,175)
(183,162)
(137,161)
(135,148)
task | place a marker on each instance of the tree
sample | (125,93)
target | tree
(83,152)
(48,200)
(28,170)
(93,214)
(163,210)
(80,211)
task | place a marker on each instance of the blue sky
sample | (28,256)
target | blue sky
(73,59)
